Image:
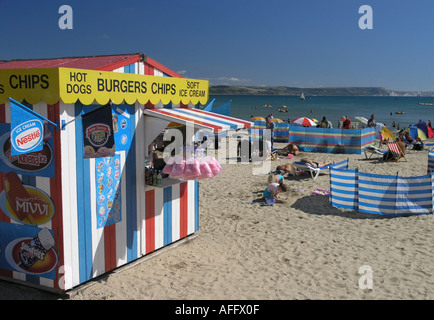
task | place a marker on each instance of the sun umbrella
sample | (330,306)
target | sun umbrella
(387,134)
(277,120)
(362,119)
(304,121)
(257,118)
(314,120)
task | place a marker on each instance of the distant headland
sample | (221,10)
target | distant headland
(324,91)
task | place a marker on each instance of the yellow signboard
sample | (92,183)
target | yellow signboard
(90,86)
(32,85)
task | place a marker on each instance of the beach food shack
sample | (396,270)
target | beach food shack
(74,203)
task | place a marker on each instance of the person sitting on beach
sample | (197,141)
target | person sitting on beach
(410,139)
(316,164)
(289,149)
(324,123)
(286,169)
(272,190)
(406,138)
(401,146)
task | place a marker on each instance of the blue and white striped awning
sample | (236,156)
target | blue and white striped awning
(200,119)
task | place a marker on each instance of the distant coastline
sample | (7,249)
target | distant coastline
(330,91)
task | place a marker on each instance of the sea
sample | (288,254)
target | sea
(333,108)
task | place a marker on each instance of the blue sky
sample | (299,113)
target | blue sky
(302,43)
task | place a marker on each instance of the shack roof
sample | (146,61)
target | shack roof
(103,63)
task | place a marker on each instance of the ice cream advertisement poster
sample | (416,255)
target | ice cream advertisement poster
(24,203)
(98,133)
(27,130)
(37,163)
(29,250)
(108,192)
(122,126)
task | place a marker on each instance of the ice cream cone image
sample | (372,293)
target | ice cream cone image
(16,194)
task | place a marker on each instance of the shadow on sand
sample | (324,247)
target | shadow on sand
(323,207)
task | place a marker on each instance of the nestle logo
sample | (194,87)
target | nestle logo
(27,135)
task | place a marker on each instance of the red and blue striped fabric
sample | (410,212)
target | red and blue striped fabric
(349,141)
(200,119)
(394,150)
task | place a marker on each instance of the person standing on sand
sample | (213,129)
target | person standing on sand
(372,122)
(270,125)
(347,123)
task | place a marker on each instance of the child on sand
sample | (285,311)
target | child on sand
(273,189)
(278,178)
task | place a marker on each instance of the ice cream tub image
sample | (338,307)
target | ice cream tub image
(35,255)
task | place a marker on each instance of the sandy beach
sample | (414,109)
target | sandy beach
(302,248)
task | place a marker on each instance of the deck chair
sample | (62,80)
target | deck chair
(371,150)
(271,153)
(315,171)
(407,143)
(415,145)
(394,153)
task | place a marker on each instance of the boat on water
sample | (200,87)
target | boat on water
(268,106)
(399,112)
(302,97)
(425,104)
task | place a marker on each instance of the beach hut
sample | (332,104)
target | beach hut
(69,213)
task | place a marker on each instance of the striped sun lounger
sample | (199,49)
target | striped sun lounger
(371,150)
